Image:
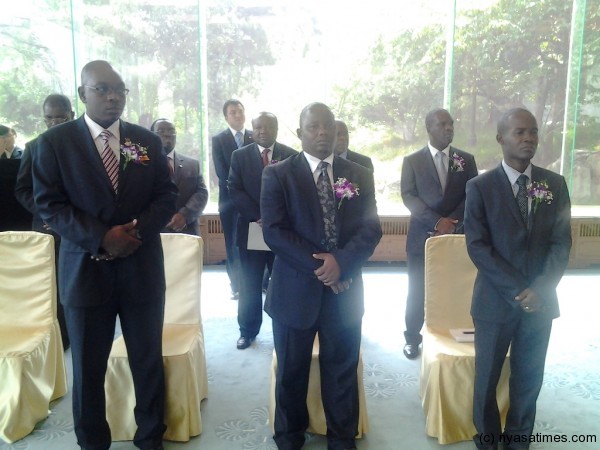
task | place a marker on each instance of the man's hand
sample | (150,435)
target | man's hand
(530,301)
(118,242)
(329,273)
(177,222)
(341,286)
(446,225)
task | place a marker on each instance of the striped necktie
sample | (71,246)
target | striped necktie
(239,139)
(111,164)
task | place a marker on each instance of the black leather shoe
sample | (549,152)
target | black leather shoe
(244,342)
(411,351)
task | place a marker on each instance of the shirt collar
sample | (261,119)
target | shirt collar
(234,132)
(96,129)
(434,150)
(513,174)
(313,162)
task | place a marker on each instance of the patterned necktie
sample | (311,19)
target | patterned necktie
(111,164)
(239,139)
(325,192)
(442,170)
(522,200)
(265,157)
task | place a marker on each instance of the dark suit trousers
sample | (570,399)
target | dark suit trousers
(92,333)
(415,301)
(528,338)
(338,360)
(250,305)
(228,216)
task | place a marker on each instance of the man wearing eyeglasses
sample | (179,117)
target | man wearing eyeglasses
(104,186)
(185,172)
(57,110)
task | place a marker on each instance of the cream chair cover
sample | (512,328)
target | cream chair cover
(447,366)
(316,413)
(32,366)
(183,350)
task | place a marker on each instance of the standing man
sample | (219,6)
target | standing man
(320,241)
(103,185)
(518,232)
(57,109)
(223,145)
(342,150)
(433,189)
(8,149)
(185,173)
(245,175)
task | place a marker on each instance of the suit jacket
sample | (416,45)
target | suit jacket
(223,146)
(422,194)
(509,257)
(363,160)
(193,194)
(245,180)
(293,228)
(74,195)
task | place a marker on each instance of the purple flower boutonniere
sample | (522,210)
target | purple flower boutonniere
(539,192)
(344,189)
(274,161)
(134,153)
(457,163)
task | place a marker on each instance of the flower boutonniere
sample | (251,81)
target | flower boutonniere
(539,192)
(274,161)
(457,163)
(134,153)
(344,189)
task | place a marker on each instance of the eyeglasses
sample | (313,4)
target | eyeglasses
(56,120)
(105,90)
(166,133)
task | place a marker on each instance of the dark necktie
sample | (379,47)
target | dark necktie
(111,164)
(325,192)
(522,200)
(265,157)
(239,139)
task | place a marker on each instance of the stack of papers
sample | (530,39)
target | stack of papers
(463,334)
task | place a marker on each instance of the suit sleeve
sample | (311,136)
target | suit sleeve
(410,196)
(197,202)
(219,159)
(361,245)
(277,227)
(243,202)
(507,280)
(24,184)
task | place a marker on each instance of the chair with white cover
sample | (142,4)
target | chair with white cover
(183,350)
(32,366)
(316,414)
(448,366)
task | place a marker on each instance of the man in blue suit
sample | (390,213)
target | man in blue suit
(342,150)
(103,185)
(245,176)
(433,189)
(223,145)
(518,232)
(320,241)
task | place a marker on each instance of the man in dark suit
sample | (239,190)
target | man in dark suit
(8,149)
(433,189)
(245,175)
(320,240)
(518,232)
(185,172)
(342,150)
(56,109)
(109,212)
(223,145)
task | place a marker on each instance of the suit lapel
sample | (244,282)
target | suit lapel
(506,193)
(91,151)
(308,189)
(429,166)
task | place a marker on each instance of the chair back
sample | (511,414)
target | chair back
(27,279)
(449,279)
(183,271)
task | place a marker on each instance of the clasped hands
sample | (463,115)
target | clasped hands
(446,225)
(329,273)
(119,242)
(529,301)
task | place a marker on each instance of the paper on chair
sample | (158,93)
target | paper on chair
(255,238)
(463,334)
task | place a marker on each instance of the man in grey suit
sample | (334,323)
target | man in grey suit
(185,172)
(433,189)
(245,175)
(518,232)
(342,150)
(103,185)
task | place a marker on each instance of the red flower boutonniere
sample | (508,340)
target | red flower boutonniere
(539,192)
(134,153)
(344,189)
(457,163)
